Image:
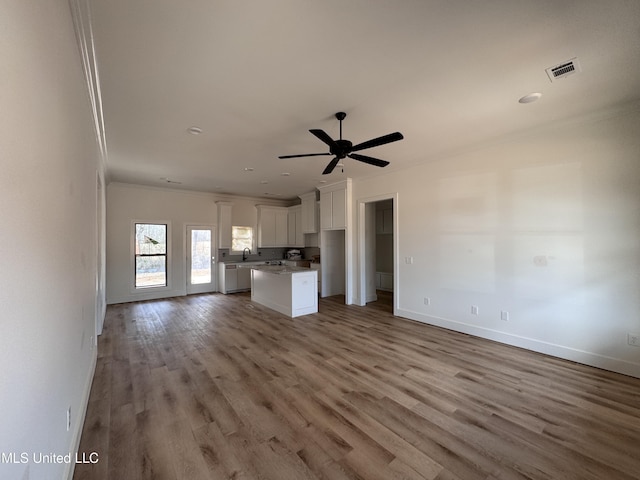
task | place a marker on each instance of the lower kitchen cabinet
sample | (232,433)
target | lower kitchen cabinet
(244,278)
(318,268)
(233,278)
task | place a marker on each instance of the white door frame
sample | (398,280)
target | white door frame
(207,287)
(362,272)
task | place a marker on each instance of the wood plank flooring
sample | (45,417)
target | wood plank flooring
(215,387)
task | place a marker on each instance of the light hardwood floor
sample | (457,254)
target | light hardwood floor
(215,387)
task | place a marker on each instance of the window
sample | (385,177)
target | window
(150,255)
(241,238)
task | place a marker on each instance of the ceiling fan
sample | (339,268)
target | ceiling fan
(344,148)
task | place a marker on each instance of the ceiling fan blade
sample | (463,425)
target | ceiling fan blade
(304,155)
(331,166)
(370,160)
(392,137)
(324,136)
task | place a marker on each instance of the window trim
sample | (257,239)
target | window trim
(132,258)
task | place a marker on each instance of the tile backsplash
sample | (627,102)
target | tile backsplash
(261,254)
(264,254)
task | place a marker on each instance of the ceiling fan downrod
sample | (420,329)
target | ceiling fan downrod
(341,116)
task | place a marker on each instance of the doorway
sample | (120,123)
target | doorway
(200,259)
(378,247)
(334,266)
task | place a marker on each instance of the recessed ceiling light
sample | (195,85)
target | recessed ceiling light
(285,174)
(532,97)
(263,182)
(248,169)
(194,130)
(322,181)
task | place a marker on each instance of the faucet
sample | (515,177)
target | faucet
(245,253)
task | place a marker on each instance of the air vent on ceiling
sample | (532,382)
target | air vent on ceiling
(564,69)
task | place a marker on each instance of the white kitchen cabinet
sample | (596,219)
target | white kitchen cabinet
(224,224)
(244,278)
(290,291)
(318,268)
(333,206)
(234,277)
(299,234)
(273,230)
(295,237)
(326,219)
(339,208)
(309,213)
(282,228)
(311,240)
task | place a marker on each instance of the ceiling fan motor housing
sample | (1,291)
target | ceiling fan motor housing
(342,148)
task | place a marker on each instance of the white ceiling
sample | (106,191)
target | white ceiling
(256,75)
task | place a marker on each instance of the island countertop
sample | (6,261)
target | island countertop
(279,269)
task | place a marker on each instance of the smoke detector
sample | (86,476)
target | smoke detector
(564,69)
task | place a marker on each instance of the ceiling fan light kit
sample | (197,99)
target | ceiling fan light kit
(341,149)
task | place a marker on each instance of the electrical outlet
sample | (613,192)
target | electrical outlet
(427,301)
(408,260)
(68,419)
(474,310)
(504,315)
(633,339)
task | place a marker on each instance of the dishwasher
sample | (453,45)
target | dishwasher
(235,278)
(230,277)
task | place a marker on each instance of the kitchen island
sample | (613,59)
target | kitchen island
(292,291)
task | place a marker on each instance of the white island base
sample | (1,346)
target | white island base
(292,291)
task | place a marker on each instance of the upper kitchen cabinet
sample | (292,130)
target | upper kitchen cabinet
(224,224)
(273,229)
(334,205)
(309,213)
(295,237)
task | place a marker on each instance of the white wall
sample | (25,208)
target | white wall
(544,226)
(128,203)
(48,254)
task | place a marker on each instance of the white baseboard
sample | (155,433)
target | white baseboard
(81,415)
(567,353)
(146,296)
